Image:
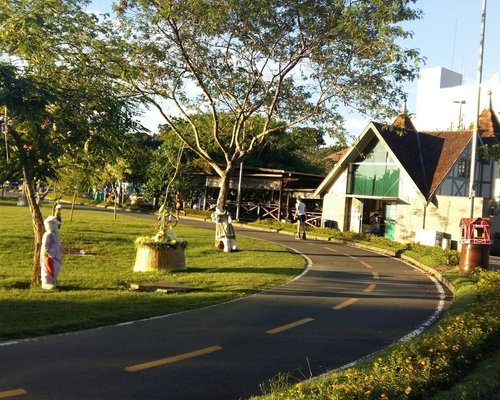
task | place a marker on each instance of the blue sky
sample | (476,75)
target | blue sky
(447,36)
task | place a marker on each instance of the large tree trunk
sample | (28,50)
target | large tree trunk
(224,189)
(36,214)
(38,228)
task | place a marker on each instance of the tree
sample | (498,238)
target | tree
(139,153)
(293,149)
(295,62)
(172,168)
(56,95)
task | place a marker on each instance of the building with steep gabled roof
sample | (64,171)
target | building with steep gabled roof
(489,126)
(396,181)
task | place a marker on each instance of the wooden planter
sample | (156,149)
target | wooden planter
(152,259)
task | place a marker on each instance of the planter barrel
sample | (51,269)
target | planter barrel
(153,259)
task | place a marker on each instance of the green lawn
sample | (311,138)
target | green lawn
(94,288)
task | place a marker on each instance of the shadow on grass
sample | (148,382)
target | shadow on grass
(284,250)
(29,318)
(248,270)
(18,285)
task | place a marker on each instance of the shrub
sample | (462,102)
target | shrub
(432,256)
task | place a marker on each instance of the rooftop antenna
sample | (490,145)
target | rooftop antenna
(478,105)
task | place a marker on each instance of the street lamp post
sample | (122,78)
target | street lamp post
(460,117)
(238,200)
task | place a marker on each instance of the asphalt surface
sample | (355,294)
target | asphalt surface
(349,304)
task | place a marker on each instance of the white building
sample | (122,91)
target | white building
(445,103)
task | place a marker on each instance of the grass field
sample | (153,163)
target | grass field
(97,272)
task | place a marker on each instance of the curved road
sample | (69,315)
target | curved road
(349,304)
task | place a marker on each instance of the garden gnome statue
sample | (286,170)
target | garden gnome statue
(51,253)
(225,238)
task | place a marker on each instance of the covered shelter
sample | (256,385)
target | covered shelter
(266,193)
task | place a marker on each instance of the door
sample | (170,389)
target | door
(356,215)
(390,221)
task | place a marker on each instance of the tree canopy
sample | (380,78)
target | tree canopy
(54,95)
(295,62)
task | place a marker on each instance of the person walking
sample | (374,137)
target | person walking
(300,215)
(179,204)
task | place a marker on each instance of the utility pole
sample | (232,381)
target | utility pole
(238,201)
(476,121)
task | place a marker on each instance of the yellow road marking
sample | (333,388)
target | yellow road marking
(370,288)
(289,326)
(173,359)
(375,275)
(364,263)
(12,393)
(346,304)
(331,249)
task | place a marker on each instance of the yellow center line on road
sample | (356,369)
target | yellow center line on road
(173,359)
(370,288)
(330,249)
(289,326)
(346,304)
(364,263)
(12,393)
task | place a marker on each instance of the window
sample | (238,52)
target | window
(375,173)
(463,168)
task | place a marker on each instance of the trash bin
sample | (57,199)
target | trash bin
(476,242)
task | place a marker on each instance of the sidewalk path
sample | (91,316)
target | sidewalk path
(349,304)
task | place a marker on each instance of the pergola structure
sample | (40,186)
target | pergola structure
(266,192)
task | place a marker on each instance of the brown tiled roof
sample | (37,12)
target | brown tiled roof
(426,156)
(489,127)
(441,150)
(335,157)
(403,121)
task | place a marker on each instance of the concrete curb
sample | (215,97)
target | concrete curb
(431,271)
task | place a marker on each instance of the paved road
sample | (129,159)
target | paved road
(349,304)
(494,263)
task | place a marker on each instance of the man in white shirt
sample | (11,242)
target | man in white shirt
(300,214)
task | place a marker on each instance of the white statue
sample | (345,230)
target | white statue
(51,253)
(225,238)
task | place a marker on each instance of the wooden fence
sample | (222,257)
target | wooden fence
(253,211)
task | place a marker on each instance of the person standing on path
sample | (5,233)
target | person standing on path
(179,204)
(300,214)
